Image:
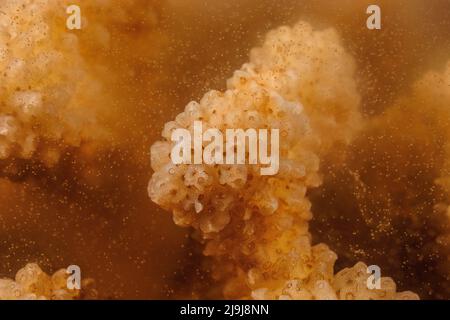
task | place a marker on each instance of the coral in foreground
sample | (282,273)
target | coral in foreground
(255,227)
(31,283)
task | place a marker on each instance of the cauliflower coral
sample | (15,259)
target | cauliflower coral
(254,227)
(47,93)
(54,95)
(58,90)
(397,178)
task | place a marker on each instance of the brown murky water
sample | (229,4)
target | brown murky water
(94,211)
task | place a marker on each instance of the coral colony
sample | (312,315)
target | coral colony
(235,147)
(238,168)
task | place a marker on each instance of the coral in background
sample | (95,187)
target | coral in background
(67,103)
(48,96)
(388,201)
(55,89)
(77,112)
(31,283)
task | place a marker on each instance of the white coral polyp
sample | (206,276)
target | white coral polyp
(255,227)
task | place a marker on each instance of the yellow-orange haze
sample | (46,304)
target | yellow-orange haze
(79,111)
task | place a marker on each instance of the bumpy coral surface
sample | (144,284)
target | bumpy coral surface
(311,67)
(399,179)
(255,227)
(60,94)
(433,91)
(31,283)
(47,92)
